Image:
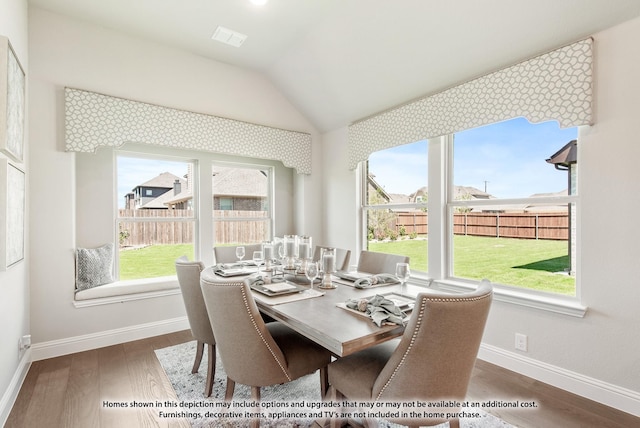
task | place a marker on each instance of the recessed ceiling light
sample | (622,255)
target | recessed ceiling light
(259,2)
(228,36)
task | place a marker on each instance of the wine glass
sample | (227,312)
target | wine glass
(257,257)
(240,253)
(311,272)
(403,273)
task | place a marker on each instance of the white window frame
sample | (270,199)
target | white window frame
(440,247)
(443,251)
(195,210)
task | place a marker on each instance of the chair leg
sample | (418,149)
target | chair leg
(454,423)
(324,382)
(255,396)
(255,393)
(336,396)
(231,385)
(211,369)
(199,352)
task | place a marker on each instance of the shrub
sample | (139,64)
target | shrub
(393,235)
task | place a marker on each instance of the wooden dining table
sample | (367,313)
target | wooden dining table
(323,320)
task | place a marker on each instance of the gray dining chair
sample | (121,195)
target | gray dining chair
(342,256)
(253,352)
(227,254)
(375,263)
(189,280)
(432,361)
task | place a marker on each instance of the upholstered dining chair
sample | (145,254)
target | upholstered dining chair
(189,280)
(227,254)
(432,361)
(253,352)
(342,256)
(372,262)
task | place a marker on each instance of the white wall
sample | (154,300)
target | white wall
(14,290)
(66,52)
(599,352)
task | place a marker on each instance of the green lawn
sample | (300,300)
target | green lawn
(152,261)
(519,262)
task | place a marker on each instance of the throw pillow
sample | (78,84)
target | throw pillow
(94,266)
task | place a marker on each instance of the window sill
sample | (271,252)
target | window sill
(565,305)
(559,304)
(123,291)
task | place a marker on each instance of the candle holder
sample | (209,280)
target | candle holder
(304,252)
(290,251)
(328,267)
(267,253)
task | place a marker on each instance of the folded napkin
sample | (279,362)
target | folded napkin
(379,279)
(262,280)
(237,264)
(379,308)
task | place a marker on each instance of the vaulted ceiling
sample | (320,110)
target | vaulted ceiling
(342,60)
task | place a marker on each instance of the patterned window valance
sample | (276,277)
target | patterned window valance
(93,120)
(553,86)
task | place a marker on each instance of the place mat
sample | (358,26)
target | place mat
(277,300)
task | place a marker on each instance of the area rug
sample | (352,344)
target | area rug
(278,402)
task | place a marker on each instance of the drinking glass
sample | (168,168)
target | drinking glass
(311,272)
(257,257)
(240,253)
(403,273)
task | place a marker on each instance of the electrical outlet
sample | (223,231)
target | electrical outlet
(25,342)
(521,342)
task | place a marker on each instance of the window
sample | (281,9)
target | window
(157,228)
(241,204)
(225,203)
(511,207)
(395,202)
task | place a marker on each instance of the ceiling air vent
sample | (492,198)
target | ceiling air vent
(229,37)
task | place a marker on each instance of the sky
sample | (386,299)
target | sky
(509,158)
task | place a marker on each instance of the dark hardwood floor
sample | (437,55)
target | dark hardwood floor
(69,391)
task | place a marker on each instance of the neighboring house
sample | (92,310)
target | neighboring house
(147,195)
(459,192)
(377,195)
(238,189)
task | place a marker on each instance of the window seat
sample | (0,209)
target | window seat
(121,291)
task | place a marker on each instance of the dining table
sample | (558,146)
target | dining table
(321,314)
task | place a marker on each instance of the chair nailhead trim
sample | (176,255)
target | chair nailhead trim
(423,305)
(253,321)
(255,325)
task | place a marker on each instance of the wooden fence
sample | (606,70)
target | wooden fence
(543,225)
(230,227)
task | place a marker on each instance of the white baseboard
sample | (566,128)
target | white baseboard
(56,348)
(610,395)
(10,395)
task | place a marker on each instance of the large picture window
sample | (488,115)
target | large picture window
(156,217)
(512,205)
(509,205)
(396,196)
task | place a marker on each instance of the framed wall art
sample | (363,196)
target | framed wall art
(12,102)
(12,214)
